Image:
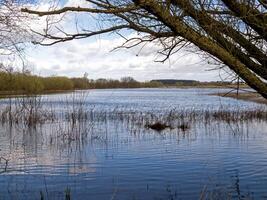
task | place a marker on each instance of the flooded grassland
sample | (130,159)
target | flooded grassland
(133,144)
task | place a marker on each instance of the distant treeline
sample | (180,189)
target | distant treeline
(30,84)
(176,82)
(194,83)
(16,82)
(125,82)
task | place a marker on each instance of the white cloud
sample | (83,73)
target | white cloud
(95,57)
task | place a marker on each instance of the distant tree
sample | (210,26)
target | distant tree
(57,83)
(128,79)
(129,82)
(80,83)
(29,84)
(233,32)
(7,72)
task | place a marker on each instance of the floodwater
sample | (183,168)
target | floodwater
(112,154)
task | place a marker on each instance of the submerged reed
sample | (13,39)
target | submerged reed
(30,112)
(73,120)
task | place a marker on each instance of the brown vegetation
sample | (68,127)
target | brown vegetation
(246,96)
(25,83)
(158,126)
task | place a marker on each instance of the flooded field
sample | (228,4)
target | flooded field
(133,144)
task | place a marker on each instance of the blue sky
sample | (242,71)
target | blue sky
(95,56)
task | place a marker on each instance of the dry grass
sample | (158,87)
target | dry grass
(246,96)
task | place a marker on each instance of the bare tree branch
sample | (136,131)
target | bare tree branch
(232,32)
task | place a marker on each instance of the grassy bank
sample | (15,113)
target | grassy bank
(246,96)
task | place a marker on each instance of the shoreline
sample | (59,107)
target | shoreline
(245,96)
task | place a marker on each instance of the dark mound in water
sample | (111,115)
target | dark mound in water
(184,127)
(157,126)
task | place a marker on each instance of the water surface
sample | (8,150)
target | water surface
(118,158)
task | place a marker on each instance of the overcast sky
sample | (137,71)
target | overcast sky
(95,56)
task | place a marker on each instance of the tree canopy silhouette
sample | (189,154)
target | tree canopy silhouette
(234,32)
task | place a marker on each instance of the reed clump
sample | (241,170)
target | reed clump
(158,126)
(184,127)
(26,111)
(74,117)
